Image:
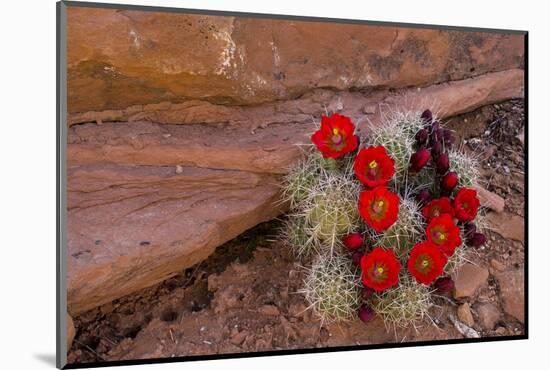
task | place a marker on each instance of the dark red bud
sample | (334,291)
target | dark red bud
(469,230)
(438,135)
(477,240)
(448,138)
(353,241)
(436,149)
(449,181)
(356,258)
(419,159)
(444,285)
(366,313)
(367,293)
(435,127)
(421,136)
(442,163)
(427,116)
(423,196)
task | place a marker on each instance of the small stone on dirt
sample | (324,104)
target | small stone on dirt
(511,284)
(465,315)
(501,330)
(238,337)
(268,310)
(488,315)
(467,279)
(498,266)
(508,225)
(490,200)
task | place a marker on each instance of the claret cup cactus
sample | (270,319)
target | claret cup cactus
(381,221)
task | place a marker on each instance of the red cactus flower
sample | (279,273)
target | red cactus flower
(380,269)
(426,262)
(378,208)
(335,137)
(373,166)
(444,285)
(353,241)
(438,207)
(419,159)
(444,234)
(466,204)
(449,181)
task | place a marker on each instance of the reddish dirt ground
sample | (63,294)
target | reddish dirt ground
(244,297)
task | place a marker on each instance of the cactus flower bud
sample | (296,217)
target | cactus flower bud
(469,230)
(421,136)
(419,159)
(367,293)
(477,240)
(427,116)
(437,149)
(444,285)
(356,258)
(353,241)
(442,163)
(366,313)
(448,138)
(423,196)
(449,181)
(438,135)
(435,127)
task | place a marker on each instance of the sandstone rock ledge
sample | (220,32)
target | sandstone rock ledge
(131,227)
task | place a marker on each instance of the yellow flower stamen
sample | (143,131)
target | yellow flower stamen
(381,204)
(373,164)
(380,270)
(335,131)
(442,236)
(425,263)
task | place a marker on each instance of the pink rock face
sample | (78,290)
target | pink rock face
(131,227)
(120,58)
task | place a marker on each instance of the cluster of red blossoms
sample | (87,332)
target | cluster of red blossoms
(379,207)
(373,167)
